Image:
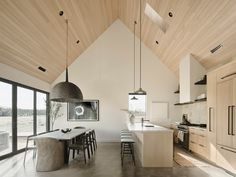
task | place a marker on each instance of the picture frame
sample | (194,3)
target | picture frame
(86,110)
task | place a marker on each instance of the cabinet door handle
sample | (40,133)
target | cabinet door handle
(227,149)
(232,120)
(228,75)
(229,133)
(210,108)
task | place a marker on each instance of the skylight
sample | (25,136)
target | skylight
(155,17)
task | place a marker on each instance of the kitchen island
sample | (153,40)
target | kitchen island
(154,144)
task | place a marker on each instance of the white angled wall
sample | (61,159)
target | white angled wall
(15,75)
(105,72)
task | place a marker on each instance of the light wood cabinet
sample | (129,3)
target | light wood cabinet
(198,141)
(224,119)
(211,116)
(221,122)
(226,123)
(227,72)
(234,114)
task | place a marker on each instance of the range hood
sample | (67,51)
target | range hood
(190,71)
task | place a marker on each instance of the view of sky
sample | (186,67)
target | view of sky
(24,99)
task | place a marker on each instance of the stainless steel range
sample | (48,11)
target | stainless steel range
(183,136)
(183,131)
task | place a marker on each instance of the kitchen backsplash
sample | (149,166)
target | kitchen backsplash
(197,112)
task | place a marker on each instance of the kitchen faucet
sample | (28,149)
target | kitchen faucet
(142,121)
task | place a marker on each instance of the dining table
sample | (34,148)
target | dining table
(64,137)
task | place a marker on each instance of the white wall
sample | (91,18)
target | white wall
(105,72)
(15,75)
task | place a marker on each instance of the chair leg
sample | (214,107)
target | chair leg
(25,156)
(73,153)
(91,148)
(26,149)
(122,154)
(94,148)
(132,151)
(88,151)
(84,156)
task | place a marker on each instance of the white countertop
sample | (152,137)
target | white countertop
(137,127)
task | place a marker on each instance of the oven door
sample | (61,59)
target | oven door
(183,138)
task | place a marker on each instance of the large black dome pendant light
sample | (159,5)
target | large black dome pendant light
(66,91)
(134,98)
(140,91)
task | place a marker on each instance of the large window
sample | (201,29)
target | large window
(23,112)
(25,108)
(41,112)
(138,105)
(5,118)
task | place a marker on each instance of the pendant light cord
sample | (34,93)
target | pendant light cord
(140,42)
(134,53)
(67,50)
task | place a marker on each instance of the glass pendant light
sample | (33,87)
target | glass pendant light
(66,91)
(134,98)
(140,91)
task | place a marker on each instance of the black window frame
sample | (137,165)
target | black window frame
(14,114)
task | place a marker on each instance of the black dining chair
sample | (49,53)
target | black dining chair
(94,139)
(81,144)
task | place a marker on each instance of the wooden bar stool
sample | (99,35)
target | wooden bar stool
(127,148)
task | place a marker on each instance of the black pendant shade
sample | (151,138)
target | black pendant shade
(140,91)
(66,91)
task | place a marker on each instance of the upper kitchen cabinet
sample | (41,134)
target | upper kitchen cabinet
(190,71)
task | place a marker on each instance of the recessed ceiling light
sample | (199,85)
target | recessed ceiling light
(216,48)
(170,14)
(61,13)
(42,69)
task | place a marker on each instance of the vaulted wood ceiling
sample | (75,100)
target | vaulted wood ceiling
(33,34)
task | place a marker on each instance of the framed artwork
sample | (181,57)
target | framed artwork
(87,110)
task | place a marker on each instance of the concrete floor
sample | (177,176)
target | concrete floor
(106,163)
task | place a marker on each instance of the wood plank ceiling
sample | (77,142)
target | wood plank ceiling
(33,34)
(197,26)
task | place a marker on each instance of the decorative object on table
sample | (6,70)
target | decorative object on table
(131,115)
(54,111)
(66,91)
(140,90)
(84,111)
(66,130)
(134,98)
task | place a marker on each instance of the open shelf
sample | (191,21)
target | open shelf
(191,102)
(202,99)
(202,82)
(176,92)
(179,104)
